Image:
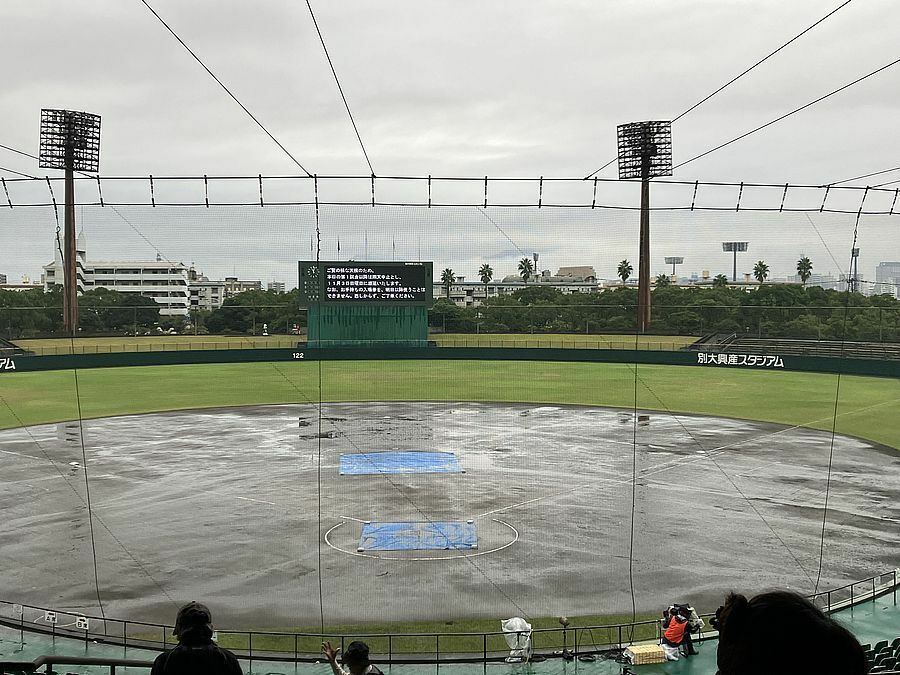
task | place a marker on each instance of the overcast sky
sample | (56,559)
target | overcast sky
(455,87)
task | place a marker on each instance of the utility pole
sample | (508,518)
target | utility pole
(70,141)
(645,152)
(854,270)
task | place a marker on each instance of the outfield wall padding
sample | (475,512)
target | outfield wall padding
(815,364)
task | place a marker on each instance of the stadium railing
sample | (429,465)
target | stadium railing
(49,661)
(466,647)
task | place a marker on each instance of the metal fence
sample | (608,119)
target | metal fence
(465,647)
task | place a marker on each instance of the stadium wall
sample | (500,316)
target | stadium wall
(815,364)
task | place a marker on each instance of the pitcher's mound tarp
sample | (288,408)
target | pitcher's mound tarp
(440,535)
(362,463)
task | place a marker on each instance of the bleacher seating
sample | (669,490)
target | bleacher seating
(724,342)
(8,349)
(884,657)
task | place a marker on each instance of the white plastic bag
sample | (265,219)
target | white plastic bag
(517,633)
(671,652)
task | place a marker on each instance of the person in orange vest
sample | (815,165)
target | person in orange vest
(677,632)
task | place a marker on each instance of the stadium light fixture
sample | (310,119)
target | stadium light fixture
(674,260)
(645,152)
(735,247)
(70,141)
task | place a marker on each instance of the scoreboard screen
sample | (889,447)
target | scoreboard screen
(350,282)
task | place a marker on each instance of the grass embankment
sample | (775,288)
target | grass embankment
(869,407)
(564,341)
(153,343)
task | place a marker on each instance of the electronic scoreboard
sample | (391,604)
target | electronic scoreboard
(387,283)
(366,304)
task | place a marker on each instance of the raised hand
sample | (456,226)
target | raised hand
(330,652)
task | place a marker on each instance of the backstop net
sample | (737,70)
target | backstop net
(418,406)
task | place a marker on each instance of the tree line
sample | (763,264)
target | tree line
(769,310)
(624,270)
(35,313)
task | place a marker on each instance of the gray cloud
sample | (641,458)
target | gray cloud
(470,88)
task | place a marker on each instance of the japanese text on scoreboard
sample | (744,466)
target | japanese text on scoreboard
(351,282)
(361,282)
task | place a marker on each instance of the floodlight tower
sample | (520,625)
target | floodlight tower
(674,260)
(735,247)
(854,270)
(70,141)
(645,152)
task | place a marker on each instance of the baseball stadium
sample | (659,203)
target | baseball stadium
(364,408)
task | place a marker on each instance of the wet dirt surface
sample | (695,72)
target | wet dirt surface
(223,506)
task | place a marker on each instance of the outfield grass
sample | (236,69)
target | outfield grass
(869,407)
(150,343)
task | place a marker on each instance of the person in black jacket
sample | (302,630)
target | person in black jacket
(782,633)
(195,653)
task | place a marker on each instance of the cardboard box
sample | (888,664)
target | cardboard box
(643,654)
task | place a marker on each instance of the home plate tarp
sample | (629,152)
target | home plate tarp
(440,535)
(363,463)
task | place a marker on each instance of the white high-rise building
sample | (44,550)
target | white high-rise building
(165,282)
(887,278)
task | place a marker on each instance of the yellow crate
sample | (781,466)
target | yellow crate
(643,654)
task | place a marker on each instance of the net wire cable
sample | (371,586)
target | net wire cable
(320,403)
(688,201)
(696,105)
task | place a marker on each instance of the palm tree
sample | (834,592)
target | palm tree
(720,281)
(447,278)
(761,271)
(663,280)
(485,273)
(624,271)
(804,269)
(526,269)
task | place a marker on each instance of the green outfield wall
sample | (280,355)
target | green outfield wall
(769,362)
(346,325)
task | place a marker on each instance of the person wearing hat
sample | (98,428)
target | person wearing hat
(195,653)
(356,658)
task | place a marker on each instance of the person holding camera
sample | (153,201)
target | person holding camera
(677,630)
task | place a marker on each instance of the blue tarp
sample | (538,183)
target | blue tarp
(441,535)
(399,462)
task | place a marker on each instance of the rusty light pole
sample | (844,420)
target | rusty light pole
(645,152)
(70,141)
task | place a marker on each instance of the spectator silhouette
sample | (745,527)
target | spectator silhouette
(195,653)
(356,658)
(782,633)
